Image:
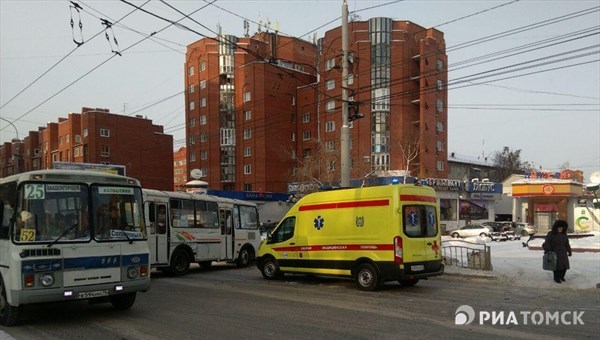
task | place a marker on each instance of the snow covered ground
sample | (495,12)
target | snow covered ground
(516,265)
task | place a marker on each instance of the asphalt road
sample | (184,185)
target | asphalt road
(224,302)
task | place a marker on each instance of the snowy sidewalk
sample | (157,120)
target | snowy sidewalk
(519,266)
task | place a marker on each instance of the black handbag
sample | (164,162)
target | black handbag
(549,261)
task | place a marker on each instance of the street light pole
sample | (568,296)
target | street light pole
(345,131)
(15,154)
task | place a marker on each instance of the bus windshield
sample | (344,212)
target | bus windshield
(117,213)
(48,210)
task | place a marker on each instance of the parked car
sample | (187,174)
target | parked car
(525,229)
(471,230)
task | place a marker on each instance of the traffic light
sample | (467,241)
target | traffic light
(353,113)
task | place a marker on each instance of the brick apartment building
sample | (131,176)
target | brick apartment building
(100,137)
(259,115)
(180,177)
(240,105)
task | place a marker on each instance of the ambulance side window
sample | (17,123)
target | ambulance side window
(285,230)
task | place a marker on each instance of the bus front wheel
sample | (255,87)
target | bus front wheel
(9,315)
(180,263)
(122,301)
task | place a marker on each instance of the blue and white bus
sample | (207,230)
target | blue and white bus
(71,235)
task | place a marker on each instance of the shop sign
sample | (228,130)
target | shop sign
(444,183)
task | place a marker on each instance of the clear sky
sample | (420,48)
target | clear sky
(522,74)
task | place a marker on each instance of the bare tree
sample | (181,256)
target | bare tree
(410,146)
(509,162)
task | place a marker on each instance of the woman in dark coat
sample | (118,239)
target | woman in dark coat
(558,242)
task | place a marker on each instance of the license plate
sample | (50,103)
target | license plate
(417,268)
(94,294)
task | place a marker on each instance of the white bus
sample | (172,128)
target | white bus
(185,228)
(70,235)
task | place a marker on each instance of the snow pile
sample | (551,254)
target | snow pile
(518,266)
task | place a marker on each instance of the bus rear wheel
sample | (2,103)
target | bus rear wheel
(9,315)
(180,263)
(123,301)
(244,258)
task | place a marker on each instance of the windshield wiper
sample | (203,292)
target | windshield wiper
(69,229)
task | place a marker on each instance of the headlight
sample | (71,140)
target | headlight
(132,272)
(47,280)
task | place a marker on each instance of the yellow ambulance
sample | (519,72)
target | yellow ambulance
(373,235)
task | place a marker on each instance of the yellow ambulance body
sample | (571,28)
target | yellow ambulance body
(372,234)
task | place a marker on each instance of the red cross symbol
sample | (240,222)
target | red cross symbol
(435,247)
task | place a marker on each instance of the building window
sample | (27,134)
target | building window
(77,139)
(306,153)
(247,187)
(247,152)
(247,97)
(439,126)
(202,84)
(191,71)
(330,84)
(203,120)
(192,105)
(105,152)
(203,137)
(203,155)
(68,139)
(203,102)
(76,152)
(293,136)
(330,165)
(104,133)
(192,140)
(440,165)
(85,132)
(330,146)
(192,122)
(329,64)
(60,140)
(247,133)
(330,106)
(350,79)
(440,145)
(306,117)
(192,157)
(293,153)
(440,65)
(247,115)
(330,126)
(440,106)
(306,135)
(440,85)
(247,169)
(192,88)
(293,101)
(202,65)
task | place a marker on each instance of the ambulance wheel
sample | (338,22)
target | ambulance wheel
(367,277)
(270,269)
(180,263)
(408,283)
(9,315)
(122,301)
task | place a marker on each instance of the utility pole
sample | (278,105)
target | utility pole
(345,132)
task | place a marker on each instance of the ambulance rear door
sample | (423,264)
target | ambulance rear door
(420,243)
